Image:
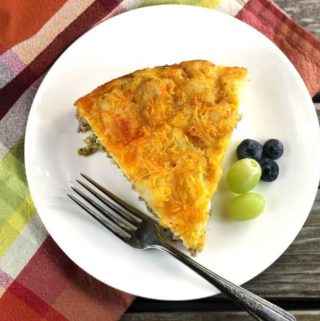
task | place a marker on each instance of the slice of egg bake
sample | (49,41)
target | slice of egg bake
(168,129)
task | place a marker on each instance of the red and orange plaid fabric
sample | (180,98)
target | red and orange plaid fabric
(37,281)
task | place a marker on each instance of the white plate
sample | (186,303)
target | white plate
(275,104)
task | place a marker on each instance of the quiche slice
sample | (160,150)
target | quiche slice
(168,129)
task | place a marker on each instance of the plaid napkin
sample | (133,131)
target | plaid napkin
(37,281)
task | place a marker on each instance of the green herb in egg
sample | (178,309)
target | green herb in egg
(92,145)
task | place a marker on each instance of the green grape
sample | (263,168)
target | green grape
(246,206)
(244,175)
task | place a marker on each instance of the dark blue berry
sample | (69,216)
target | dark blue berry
(273,148)
(270,170)
(250,148)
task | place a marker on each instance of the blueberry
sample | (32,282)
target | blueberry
(273,148)
(250,148)
(270,170)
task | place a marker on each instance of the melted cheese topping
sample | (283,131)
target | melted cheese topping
(168,129)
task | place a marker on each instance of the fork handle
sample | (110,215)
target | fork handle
(259,308)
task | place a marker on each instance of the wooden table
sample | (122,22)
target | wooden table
(293,281)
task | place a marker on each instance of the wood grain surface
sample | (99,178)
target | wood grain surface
(293,281)
(210,316)
(305,12)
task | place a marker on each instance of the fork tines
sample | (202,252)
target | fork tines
(116,215)
(103,219)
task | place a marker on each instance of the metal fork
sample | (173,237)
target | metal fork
(143,232)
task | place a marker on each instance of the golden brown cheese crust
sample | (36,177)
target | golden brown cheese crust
(168,128)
